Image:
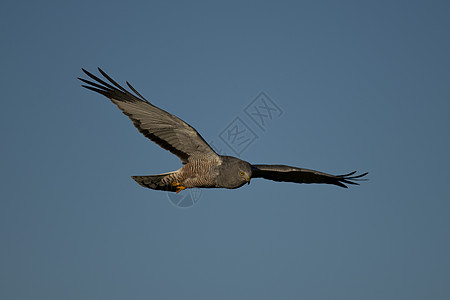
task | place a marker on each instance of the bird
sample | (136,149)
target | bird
(202,166)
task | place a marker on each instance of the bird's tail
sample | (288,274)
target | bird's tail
(156,182)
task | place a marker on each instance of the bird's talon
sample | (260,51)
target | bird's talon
(180,188)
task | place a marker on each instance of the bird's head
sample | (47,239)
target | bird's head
(233,173)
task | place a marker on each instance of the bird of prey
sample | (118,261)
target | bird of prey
(202,166)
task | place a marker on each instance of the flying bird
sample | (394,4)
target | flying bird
(202,166)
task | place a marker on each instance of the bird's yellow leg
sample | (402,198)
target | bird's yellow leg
(179,186)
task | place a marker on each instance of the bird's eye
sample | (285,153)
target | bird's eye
(241,173)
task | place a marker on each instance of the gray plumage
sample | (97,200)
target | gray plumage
(203,167)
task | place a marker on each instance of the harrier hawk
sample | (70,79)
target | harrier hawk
(203,167)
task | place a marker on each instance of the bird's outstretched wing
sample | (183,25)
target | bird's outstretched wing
(298,175)
(163,128)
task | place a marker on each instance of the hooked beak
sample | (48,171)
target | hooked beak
(248,180)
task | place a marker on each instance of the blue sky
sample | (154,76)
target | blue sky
(362,85)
